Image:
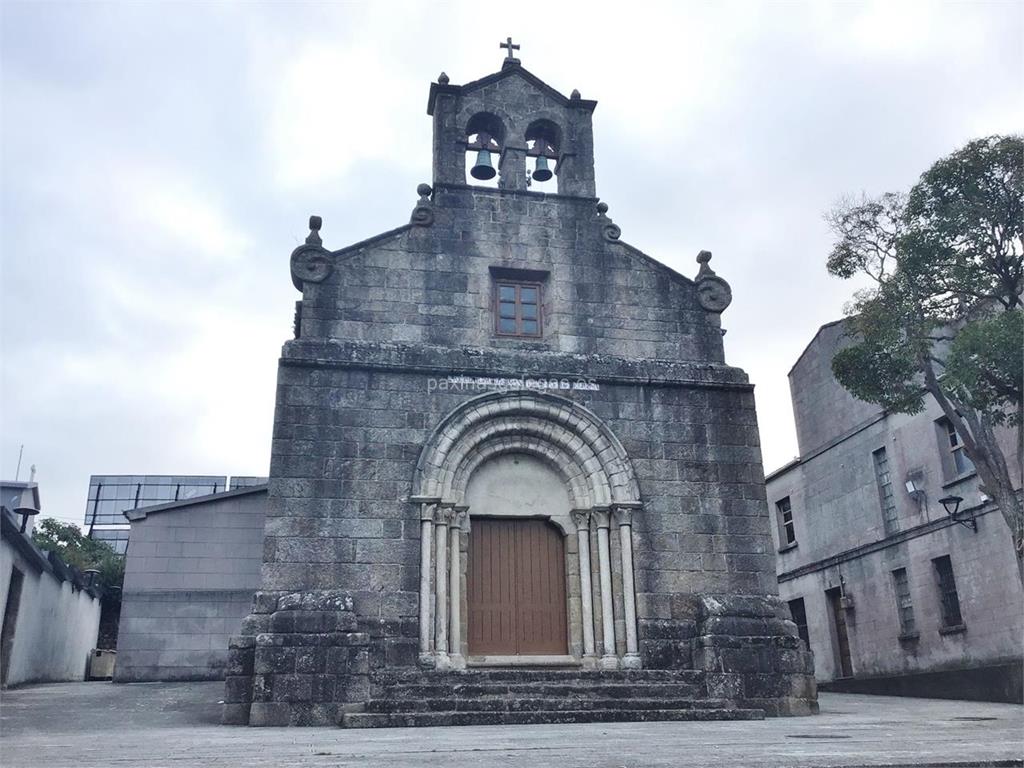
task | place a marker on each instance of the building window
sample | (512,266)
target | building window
(908,626)
(950,600)
(954,459)
(799,614)
(890,517)
(517,309)
(787,531)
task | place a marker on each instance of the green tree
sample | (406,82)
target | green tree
(77,549)
(943,315)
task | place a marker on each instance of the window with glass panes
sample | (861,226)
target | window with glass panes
(890,517)
(961,464)
(785,512)
(901,584)
(950,600)
(518,309)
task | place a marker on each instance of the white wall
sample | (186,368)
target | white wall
(56,627)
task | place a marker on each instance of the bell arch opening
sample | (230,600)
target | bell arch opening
(544,146)
(485,140)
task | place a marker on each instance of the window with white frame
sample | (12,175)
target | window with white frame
(787,530)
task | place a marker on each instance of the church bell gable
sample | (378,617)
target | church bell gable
(543,140)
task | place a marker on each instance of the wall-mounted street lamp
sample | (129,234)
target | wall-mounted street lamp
(952,506)
(26,513)
(91,574)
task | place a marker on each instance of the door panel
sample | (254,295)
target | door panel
(516,590)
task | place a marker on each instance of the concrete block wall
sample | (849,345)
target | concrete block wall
(190,574)
(822,409)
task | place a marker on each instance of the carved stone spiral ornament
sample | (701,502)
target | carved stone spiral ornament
(311,262)
(610,231)
(423,213)
(713,293)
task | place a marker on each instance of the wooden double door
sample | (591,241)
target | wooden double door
(516,588)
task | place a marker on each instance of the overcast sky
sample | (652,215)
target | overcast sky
(160,161)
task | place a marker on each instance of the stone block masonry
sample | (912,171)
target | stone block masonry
(299,661)
(653,551)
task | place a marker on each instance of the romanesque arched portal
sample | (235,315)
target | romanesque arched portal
(593,466)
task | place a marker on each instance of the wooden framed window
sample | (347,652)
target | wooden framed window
(517,309)
(955,462)
(787,528)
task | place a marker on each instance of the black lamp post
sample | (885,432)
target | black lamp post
(952,506)
(26,513)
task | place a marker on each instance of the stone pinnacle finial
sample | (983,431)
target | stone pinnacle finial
(705,269)
(315,222)
(442,79)
(575,95)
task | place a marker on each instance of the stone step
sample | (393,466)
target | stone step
(506,704)
(591,689)
(530,674)
(426,719)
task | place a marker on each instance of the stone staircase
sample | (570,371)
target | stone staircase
(524,696)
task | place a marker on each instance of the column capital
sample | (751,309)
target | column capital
(427,510)
(460,516)
(582,519)
(443,514)
(602,517)
(623,515)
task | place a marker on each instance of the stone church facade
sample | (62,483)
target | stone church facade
(510,463)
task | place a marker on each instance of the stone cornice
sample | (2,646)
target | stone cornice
(474,361)
(899,537)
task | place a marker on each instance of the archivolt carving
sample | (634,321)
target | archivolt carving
(559,431)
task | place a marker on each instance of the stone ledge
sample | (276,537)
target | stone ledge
(447,361)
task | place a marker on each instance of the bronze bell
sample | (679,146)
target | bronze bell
(483,170)
(541,172)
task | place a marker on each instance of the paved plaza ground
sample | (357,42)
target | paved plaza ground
(159,725)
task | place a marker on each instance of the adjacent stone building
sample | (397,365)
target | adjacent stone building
(513,478)
(892,594)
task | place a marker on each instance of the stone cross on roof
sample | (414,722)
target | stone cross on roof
(511,47)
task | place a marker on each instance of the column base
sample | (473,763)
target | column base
(590,662)
(427,659)
(442,662)
(609,662)
(458,661)
(631,661)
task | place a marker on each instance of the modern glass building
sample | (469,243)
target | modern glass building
(110,496)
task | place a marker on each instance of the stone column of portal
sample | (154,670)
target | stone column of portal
(624,518)
(604,563)
(426,550)
(582,519)
(455,588)
(442,518)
